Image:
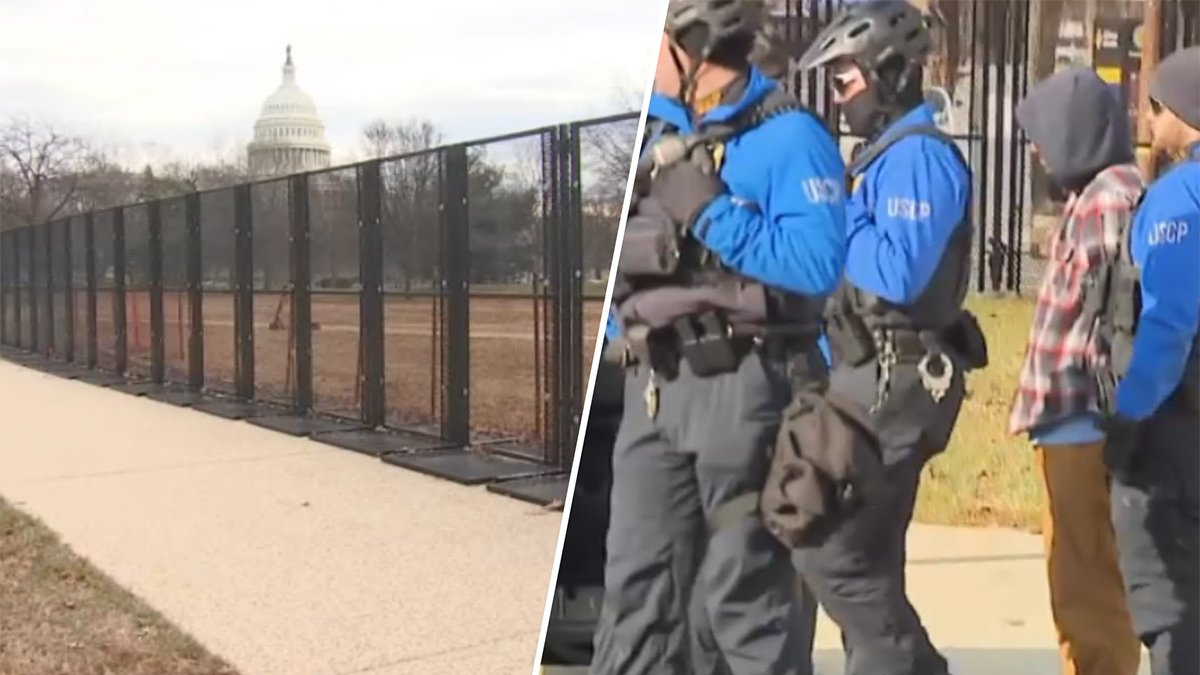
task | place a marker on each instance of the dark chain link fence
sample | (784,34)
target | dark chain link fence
(455,292)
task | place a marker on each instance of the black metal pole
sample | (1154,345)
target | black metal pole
(118,234)
(157,331)
(49,344)
(18,287)
(244,290)
(1015,220)
(34,294)
(555,311)
(89,257)
(301,322)
(572,240)
(998,47)
(195,281)
(370,261)
(6,285)
(979,132)
(68,269)
(456,260)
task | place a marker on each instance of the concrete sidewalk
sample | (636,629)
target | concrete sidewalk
(281,555)
(983,598)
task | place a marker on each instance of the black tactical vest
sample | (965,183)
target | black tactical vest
(698,266)
(1116,300)
(940,304)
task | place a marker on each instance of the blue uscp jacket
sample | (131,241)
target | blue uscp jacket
(903,208)
(902,211)
(783,220)
(1165,246)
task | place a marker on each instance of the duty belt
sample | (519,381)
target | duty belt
(663,349)
(906,344)
(911,347)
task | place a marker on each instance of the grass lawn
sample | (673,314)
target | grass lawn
(58,614)
(986,476)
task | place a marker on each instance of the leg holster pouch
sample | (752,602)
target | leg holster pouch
(827,462)
(706,342)
(849,339)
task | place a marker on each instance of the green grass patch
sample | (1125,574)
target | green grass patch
(986,476)
(58,614)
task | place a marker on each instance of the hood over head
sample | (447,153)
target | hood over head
(1079,126)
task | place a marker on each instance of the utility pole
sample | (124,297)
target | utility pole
(1151,27)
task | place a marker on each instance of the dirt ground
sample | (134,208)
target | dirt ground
(58,614)
(506,359)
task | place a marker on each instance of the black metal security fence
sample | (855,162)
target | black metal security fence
(986,55)
(412,306)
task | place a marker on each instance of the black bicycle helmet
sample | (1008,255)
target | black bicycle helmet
(873,35)
(703,26)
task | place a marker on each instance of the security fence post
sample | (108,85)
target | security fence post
(118,235)
(89,270)
(370,260)
(157,341)
(299,238)
(68,286)
(243,285)
(455,258)
(195,281)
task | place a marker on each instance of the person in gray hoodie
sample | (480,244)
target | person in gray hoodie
(1079,131)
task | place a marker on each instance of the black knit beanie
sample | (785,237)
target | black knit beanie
(1176,85)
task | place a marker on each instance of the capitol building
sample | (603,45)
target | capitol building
(289,136)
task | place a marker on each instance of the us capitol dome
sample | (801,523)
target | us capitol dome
(289,136)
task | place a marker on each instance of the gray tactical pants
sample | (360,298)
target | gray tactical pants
(857,575)
(674,592)
(1156,517)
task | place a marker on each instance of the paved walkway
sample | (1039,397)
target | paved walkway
(982,595)
(282,555)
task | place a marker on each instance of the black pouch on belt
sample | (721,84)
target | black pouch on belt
(707,345)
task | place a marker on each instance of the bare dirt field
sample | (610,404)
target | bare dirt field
(507,362)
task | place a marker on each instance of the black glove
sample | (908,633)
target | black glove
(1120,444)
(683,190)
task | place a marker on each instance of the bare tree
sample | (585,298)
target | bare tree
(41,168)
(410,197)
(608,151)
(384,139)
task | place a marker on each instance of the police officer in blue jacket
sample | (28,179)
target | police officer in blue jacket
(898,335)
(1153,443)
(735,241)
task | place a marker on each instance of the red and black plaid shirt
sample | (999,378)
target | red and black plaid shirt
(1056,380)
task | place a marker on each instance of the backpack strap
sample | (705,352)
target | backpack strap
(715,135)
(777,102)
(872,152)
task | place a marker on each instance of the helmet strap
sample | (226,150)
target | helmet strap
(687,78)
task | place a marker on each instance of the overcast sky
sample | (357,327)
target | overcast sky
(192,76)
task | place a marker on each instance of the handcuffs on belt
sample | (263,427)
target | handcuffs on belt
(935,368)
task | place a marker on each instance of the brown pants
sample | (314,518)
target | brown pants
(1087,595)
